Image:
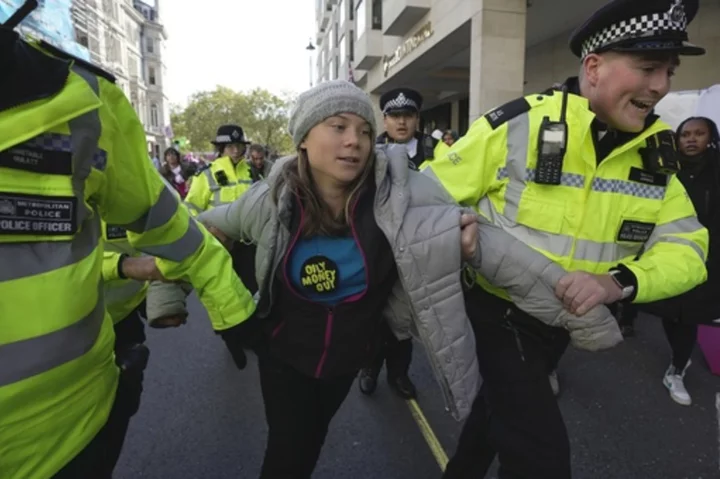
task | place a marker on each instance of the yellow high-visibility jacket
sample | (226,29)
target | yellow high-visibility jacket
(207,189)
(72,151)
(601,216)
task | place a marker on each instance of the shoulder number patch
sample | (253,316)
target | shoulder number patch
(507,112)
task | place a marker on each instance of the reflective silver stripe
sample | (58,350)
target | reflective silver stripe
(29,357)
(599,252)
(684,242)
(119,294)
(193,207)
(159,214)
(516,163)
(30,259)
(629,188)
(180,249)
(688,224)
(572,180)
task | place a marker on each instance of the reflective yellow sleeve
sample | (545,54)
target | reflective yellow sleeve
(110,265)
(198,196)
(468,169)
(674,258)
(135,198)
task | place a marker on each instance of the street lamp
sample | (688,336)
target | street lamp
(310,48)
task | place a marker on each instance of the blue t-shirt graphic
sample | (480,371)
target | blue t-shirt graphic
(327,270)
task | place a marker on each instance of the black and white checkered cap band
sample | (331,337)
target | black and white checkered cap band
(399,102)
(637,27)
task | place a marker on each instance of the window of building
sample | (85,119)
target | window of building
(343,50)
(336,67)
(342,13)
(351,10)
(351,47)
(150,45)
(360,19)
(333,69)
(154,115)
(377,14)
(331,37)
(83,39)
(151,76)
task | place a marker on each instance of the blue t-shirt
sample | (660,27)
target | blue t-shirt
(327,270)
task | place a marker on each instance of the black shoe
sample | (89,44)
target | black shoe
(367,381)
(403,387)
(627,330)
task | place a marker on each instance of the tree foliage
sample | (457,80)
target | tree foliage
(262,115)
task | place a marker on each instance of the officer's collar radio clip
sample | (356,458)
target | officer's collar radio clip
(552,146)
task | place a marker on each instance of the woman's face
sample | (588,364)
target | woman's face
(171,158)
(448,139)
(694,138)
(339,148)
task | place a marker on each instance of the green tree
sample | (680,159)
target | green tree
(262,114)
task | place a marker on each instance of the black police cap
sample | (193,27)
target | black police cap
(401,99)
(638,26)
(228,134)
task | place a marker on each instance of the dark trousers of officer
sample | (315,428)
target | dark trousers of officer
(516,415)
(100,456)
(298,410)
(395,353)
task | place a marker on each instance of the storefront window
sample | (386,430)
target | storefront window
(360,19)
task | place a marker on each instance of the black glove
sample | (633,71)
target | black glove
(233,342)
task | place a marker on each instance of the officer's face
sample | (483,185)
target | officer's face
(694,137)
(401,126)
(338,149)
(624,88)
(235,151)
(448,139)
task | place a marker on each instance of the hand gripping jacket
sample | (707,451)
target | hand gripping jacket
(73,151)
(599,217)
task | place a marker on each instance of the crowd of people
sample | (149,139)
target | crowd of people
(495,250)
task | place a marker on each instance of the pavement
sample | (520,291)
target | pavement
(202,418)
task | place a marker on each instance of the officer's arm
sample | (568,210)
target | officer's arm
(111,265)
(135,198)
(468,170)
(675,253)
(198,196)
(245,218)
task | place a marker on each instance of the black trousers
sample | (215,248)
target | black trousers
(682,337)
(515,416)
(298,410)
(243,256)
(100,456)
(396,355)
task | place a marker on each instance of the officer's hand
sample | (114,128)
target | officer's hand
(174,321)
(580,291)
(468,238)
(141,268)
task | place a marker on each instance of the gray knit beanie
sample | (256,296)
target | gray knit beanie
(325,100)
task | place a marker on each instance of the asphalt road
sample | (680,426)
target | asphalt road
(202,418)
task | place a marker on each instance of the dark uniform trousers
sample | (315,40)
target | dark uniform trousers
(516,415)
(99,458)
(395,353)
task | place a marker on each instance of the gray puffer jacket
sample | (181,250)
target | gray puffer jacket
(421,223)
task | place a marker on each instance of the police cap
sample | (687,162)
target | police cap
(228,134)
(638,26)
(401,99)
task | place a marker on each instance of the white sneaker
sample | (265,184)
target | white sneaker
(674,381)
(554,383)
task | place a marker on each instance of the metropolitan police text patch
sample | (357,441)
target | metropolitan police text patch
(23,214)
(648,177)
(507,112)
(113,232)
(635,231)
(37,160)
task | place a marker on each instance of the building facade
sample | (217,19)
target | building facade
(126,38)
(468,56)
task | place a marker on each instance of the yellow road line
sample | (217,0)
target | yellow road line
(429,435)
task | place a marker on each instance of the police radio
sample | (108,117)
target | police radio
(660,154)
(222,178)
(552,145)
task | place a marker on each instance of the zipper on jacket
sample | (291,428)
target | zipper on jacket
(328,339)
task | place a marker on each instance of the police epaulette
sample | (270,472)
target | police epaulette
(507,112)
(92,68)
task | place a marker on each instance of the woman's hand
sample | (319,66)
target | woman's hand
(141,268)
(221,237)
(468,235)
